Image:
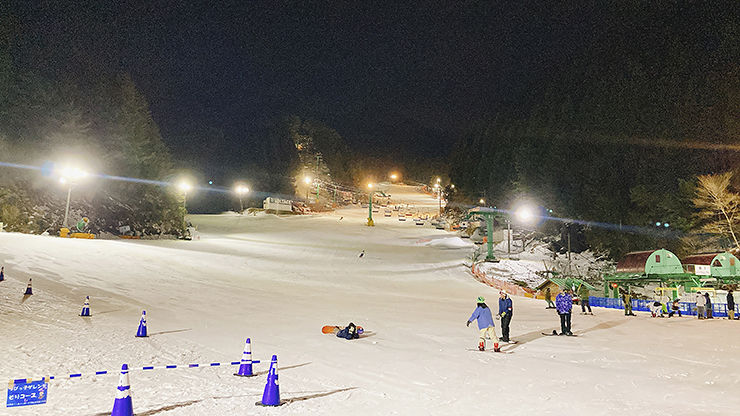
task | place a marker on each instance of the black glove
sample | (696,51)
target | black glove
(468,324)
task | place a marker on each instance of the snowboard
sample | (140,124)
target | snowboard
(554,333)
(332,329)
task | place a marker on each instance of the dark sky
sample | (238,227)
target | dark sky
(226,66)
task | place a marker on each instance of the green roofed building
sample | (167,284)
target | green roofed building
(721,267)
(644,267)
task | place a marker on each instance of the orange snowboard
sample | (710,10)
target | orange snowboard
(331,329)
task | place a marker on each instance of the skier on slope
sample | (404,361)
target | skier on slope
(485,324)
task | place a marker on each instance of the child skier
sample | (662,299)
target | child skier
(485,324)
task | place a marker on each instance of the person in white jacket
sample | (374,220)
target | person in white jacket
(701,302)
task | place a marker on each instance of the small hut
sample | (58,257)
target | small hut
(642,267)
(714,265)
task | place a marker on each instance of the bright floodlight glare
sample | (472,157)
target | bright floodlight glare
(394,176)
(439,180)
(184,186)
(242,190)
(73,173)
(524,214)
(307,180)
(482,201)
(370,185)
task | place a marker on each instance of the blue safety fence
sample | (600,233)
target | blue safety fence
(640,305)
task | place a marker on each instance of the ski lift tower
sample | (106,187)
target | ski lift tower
(489,214)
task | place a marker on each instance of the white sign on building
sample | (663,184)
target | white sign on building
(277,204)
(702,270)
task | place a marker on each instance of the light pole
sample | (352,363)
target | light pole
(308,181)
(439,196)
(69,176)
(523,215)
(185,187)
(370,222)
(241,190)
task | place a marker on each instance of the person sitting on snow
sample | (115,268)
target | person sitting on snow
(348,332)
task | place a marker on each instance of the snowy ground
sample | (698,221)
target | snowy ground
(278,280)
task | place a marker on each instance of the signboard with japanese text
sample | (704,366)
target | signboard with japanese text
(26,394)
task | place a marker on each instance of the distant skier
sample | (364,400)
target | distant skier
(505,311)
(701,302)
(2,274)
(675,309)
(482,313)
(709,308)
(583,295)
(627,299)
(362,254)
(548,298)
(564,305)
(656,310)
(730,305)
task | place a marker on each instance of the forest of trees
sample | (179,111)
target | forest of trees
(629,128)
(621,130)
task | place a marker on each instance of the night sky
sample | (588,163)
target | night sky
(223,68)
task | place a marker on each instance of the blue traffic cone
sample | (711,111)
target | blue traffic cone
(2,273)
(271,396)
(123,405)
(142,325)
(245,368)
(86,307)
(29,291)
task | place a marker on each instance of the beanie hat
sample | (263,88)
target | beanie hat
(481,299)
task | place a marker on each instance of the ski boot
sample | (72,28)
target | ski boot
(495,347)
(482,346)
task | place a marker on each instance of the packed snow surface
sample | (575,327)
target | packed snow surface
(278,280)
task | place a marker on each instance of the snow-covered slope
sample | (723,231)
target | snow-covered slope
(277,280)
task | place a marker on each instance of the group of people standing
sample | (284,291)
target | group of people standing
(704,307)
(564,306)
(483,315)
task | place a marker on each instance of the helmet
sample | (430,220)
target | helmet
(481,299)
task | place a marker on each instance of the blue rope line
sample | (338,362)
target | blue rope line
(150,367)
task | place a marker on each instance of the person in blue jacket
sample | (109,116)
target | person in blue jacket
(505,310)
(564,305)
(482,313)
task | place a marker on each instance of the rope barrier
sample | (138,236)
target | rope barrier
(97,373)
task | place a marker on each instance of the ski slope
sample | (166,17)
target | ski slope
(278,280)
